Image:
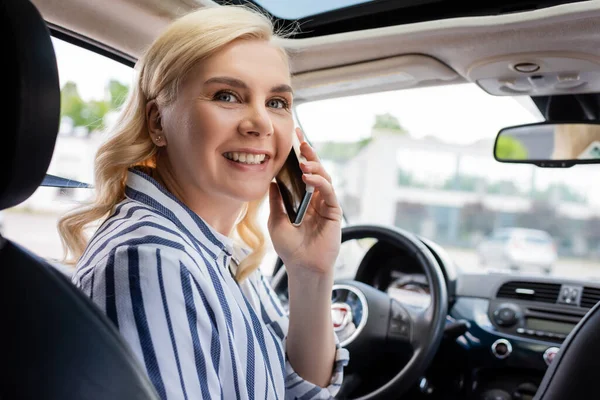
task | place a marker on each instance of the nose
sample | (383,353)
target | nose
(256,122)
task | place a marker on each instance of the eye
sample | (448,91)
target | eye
(226,96)
(278,103)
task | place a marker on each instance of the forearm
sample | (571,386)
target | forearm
(310,341)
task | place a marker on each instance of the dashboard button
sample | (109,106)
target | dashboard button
(573,295)
(399,321)
(520,330)
(501,348)
(505,316)
(550,354)
(398,312)
(400,329)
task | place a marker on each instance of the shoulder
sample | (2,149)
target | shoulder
(143,258)
(136,227)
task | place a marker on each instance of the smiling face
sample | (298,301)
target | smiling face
(230,128)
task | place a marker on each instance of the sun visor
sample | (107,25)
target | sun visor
(538,74)
(374,76)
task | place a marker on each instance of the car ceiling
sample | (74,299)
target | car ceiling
(562,38)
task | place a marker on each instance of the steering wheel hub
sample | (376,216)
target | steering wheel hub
(349,312)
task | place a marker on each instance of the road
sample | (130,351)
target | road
(38,233)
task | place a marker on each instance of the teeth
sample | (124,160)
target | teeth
(246,158)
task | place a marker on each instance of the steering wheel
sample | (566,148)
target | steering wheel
(366,319)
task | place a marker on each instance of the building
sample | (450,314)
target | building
(456,194)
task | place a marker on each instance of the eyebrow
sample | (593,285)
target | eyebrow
(283,88)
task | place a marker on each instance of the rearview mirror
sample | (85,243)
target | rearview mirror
(549,144)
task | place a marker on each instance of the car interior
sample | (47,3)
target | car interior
(417,325)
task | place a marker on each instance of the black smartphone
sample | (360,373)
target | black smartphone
(295,193)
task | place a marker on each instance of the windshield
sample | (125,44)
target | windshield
(422,160)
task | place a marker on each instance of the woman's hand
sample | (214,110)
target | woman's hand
(314,245)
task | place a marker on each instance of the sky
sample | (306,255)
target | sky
(460,114)
(299,9)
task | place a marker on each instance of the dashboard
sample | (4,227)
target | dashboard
(516,323)
(510,327)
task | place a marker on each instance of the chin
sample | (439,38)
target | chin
(250,194)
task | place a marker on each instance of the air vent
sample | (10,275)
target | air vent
(590,297)
(532,291)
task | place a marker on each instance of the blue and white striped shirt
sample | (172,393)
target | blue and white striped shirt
(160,274)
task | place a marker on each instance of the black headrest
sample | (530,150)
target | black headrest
(32,97)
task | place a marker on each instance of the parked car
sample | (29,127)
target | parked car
(519,249)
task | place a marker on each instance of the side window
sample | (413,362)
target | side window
(93,87)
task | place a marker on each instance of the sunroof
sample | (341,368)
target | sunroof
(287,9)
(325,17)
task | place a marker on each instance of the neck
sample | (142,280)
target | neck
(221,214)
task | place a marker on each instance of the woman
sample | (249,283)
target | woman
(206,128)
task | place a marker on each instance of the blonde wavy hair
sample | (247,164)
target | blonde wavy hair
(187,41)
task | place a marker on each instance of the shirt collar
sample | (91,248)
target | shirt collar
(143,188)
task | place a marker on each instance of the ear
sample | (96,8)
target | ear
(154,122)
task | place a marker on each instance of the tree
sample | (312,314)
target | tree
(118,93)
(405,178)
(388,122)
(560,192)
(72,105)
(94,113)
(509,148)
(90,114)
(504,187)
(464,183)
(340,151)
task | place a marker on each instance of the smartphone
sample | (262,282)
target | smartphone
(295,193)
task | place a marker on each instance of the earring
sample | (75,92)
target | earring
(158,139)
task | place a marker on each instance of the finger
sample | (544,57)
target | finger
(308,152)
(314,167)
(305,149)
(300,135)
(325,189)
